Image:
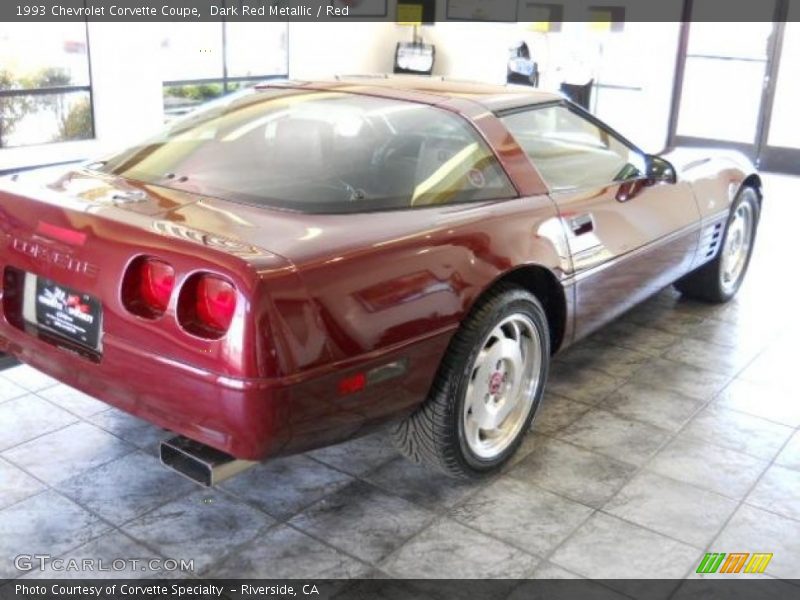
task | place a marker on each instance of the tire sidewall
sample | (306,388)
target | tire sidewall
(515,301)
(750,196)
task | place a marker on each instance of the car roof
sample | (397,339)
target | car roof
(428,90)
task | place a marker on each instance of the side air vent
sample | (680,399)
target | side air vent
(710,240)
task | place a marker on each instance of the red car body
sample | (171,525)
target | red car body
(341,320)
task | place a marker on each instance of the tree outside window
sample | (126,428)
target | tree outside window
(45,84)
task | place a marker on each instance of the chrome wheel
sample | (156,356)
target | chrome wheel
(502,386)
(736,250)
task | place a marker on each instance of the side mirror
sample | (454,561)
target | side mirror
(660,170)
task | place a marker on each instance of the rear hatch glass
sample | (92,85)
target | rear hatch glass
(321,152)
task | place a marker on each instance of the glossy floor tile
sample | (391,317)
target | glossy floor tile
(671,432)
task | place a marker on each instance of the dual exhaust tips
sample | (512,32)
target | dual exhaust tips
(200,463)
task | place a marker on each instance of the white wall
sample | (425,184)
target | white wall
(322,50)
(642,55)
(472,51)
(126,82)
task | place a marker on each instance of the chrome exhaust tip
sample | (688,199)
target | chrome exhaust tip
(200,463)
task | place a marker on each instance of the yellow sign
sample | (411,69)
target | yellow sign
(539,26)
(602,20)
(409,14)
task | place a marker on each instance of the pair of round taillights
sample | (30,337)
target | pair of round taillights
(206,302)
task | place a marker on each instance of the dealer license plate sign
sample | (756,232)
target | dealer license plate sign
(70,313)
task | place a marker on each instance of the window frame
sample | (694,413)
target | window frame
(226,80)
(54,90)
(580,112)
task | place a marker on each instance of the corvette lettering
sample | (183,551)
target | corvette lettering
(46,254)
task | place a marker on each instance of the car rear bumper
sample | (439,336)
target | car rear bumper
(247,418)
(234,415)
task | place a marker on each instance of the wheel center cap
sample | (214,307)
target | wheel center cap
(495,383)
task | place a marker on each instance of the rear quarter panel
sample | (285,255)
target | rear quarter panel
(384,279)
(386,289)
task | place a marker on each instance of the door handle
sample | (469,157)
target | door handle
(581,224)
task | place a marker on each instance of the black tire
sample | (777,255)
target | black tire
(434,434)
(706,283)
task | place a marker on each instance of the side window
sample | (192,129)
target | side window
(570,151)
(450,163)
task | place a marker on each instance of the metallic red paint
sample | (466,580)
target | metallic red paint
(320,298)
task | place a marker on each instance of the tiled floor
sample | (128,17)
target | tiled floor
(672,432)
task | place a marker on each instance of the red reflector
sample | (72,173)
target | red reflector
(354,383)
(216,302)
(156,280)
(62,234)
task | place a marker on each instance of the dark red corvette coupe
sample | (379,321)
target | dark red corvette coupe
(295,265)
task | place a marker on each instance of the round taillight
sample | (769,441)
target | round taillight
(206,306)
(216,301)
(156,284)
(147,287)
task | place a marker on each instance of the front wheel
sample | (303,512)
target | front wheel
(487,390)
(719,280)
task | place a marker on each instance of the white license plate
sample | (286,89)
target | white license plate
(69,313)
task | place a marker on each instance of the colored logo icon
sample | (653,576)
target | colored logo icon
(734,562)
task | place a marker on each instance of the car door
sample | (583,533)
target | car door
(628,234)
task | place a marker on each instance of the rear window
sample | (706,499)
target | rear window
(323,152)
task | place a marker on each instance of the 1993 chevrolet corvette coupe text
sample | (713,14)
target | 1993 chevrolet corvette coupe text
(293,266)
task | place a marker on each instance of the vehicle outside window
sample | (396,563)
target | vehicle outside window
(322,152)
(570,151)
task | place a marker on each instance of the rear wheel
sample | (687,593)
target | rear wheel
(487,390)
(719,280)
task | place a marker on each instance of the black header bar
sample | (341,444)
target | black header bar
(403,11)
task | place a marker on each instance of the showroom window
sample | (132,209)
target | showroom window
(45,84)
(203,61)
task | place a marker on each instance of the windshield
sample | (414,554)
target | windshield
(320,152)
